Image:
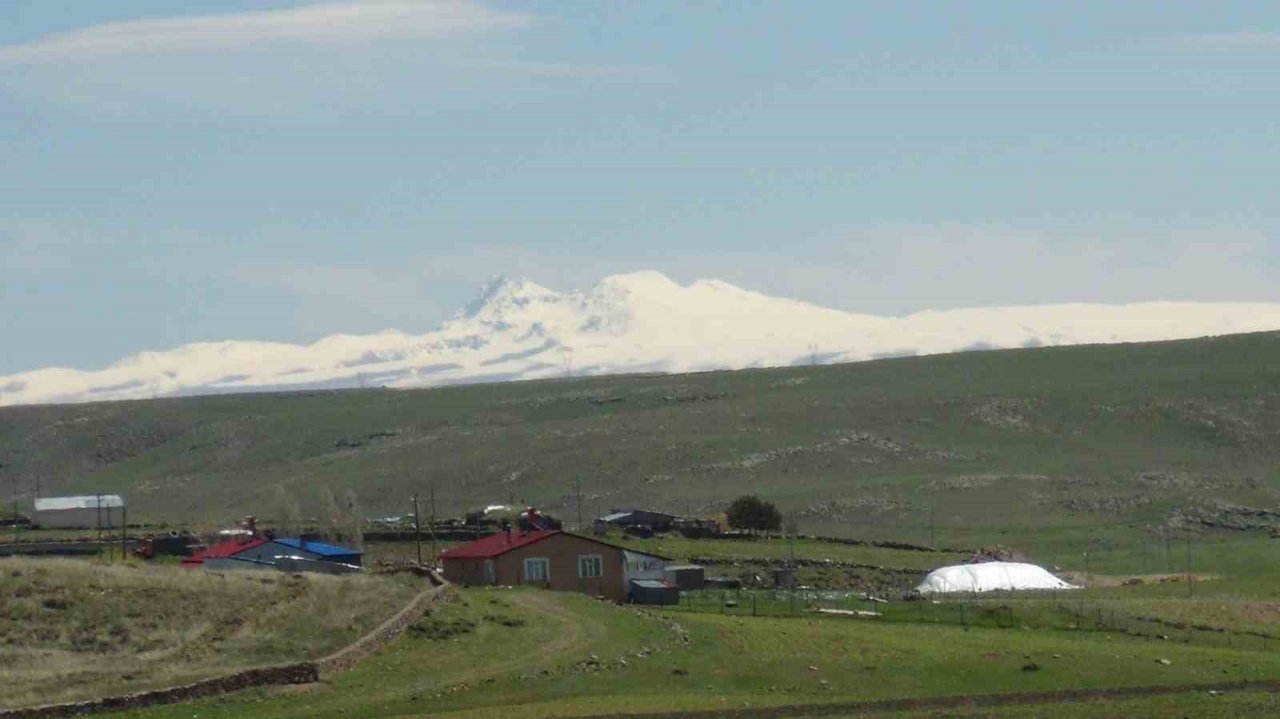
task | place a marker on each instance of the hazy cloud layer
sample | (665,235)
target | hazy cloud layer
(1243,40)
(324,23)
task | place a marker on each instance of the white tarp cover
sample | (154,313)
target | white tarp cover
(988,577)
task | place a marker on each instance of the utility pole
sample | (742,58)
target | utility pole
(417,528)
(1190,581)
(577,491)
(13,478)
(432,525)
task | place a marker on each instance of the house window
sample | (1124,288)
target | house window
(590,566)
(537,569)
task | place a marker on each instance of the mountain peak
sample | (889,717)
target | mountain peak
(644,281)
(503,293)
(633,322)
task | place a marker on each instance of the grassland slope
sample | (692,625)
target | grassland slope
(975,447)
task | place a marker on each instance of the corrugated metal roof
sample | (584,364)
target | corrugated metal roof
(223,550)
(324,550)
(109,501)
(497,544)
(651,583)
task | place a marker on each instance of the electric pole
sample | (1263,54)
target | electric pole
(13,478)
(417,528)
(577,491)
(431,526)
(1190,580)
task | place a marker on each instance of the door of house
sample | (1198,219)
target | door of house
(490,573)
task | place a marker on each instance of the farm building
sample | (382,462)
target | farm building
(87,512)
(283,553)
(686,576)
(304,548)
(222,550)
(657,521)
(553,559)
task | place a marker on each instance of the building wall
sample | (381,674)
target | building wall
(78,518)
(467,572)
(562,552)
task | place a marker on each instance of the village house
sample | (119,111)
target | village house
(282,553)
(556,560)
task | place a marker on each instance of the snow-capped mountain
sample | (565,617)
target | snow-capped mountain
(640,322)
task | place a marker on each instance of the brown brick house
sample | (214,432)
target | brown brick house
(557,560)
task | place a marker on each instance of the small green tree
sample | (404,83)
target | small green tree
(289,516)
(753,514)
(333,515)
(354,521)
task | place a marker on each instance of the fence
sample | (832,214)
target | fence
(1046,611)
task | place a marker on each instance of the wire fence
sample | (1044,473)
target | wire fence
(1042,612)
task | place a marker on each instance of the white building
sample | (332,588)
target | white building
(89,512)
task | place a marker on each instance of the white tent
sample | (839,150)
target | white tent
(989,576)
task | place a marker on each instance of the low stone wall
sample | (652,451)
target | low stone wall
(299,673)
(344,659)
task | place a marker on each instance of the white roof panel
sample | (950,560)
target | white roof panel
(47,504)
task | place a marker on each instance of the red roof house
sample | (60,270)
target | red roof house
(552,559)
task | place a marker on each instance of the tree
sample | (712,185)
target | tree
(354,521)
(333,515)
(289,517)
(753,514)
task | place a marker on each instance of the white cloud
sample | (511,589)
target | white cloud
(318,24)
(1245,40)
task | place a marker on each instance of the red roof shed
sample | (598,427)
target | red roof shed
(222,550)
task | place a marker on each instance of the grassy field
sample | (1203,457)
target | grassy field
(1201,705)
(1113,462)
(1054,451)
(74,629)
(499,653)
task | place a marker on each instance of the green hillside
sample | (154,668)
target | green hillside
(1026,447)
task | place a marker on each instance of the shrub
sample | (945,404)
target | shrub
(753,514)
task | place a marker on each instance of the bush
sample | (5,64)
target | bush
(753,514)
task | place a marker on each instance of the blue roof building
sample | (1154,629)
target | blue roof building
(305,548)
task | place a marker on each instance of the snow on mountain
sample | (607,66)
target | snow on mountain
(639,322)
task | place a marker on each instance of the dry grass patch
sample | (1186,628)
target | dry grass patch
(73,629)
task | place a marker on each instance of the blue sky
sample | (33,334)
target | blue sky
(175,171)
